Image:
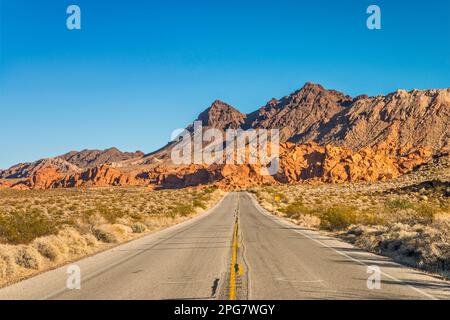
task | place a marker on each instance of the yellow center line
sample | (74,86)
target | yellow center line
(232,294)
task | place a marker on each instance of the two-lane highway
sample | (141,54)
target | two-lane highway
(274,260)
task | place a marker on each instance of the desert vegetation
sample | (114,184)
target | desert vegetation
(407,218)
(40,229)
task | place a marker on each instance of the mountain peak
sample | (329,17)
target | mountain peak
(222,116)
(312,86)
(219,103)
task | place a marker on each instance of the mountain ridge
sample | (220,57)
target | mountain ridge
(316,114)
(350,139)
(72,161)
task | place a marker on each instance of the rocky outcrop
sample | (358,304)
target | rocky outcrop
(104,175)
(43,179)
(5,184)
(337,164)
(299,163)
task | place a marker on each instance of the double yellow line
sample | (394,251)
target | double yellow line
(234,265)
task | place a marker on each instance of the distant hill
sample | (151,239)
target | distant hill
(73,161)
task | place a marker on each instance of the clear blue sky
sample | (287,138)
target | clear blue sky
(137,71)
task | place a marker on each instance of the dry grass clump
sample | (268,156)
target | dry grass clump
(181,209)
(28,257)
(40,229)
(7,263)
(111,233)
(47,249)
(138,227)
(295,209)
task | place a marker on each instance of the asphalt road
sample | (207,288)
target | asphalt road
(235,250)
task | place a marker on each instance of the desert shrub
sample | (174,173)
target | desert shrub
(47,249)
(337,217)
(318,201)
(201,199)
(398,204)
(419,214)
(370,218)
(28,257)
(138,227)
(110,214)
(90,239)
(199,203)
(54,226)
(210,189)
(105,235)
(7,263)
(269,190)
(21,227)
(294,209)
(111,232)
(182,210)
(425,213)
(444,205)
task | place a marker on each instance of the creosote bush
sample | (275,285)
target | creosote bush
(21,227)
(181,210)
(295,209)
(398,204)
(337,217)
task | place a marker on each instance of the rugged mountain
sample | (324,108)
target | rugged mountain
(25,170)
(93,158)
(72,162)
(303,115)
(218,115)
(400,121)
(326,136)
(404,120)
